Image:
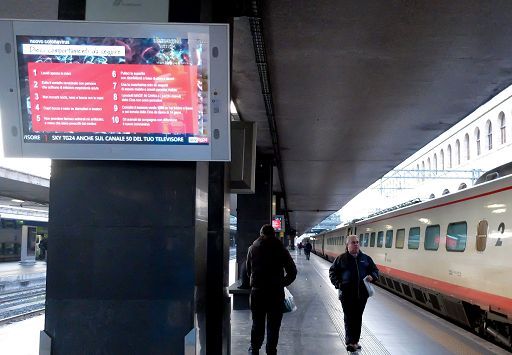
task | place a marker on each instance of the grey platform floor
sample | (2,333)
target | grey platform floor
(14,270)
(391,325)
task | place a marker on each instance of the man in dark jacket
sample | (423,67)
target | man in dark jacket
(347,274)
(266,262)
(307,249)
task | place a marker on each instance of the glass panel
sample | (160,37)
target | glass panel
(432,237)
(400,239)
(372,239)
(389,238)
(366,239)
(380,239)
(31,241)
(456,236)
(9,249)
(414,238)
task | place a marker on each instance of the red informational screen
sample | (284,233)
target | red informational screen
(115,90)
(277,223)
(113,98)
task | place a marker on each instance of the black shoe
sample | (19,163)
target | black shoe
(351,348)
(358,347)
(252,351)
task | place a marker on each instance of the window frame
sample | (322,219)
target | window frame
(465,239)
(503,126)
(477,136)
(409,238)
(489,135)
(390,245)
(427,237)
(403,238)
(380,236)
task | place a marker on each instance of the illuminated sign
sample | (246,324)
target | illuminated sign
(278,223)
(156,92)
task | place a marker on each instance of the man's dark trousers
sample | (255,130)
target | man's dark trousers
(266,304)
(353,316)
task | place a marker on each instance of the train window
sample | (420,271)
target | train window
(380,239)
(366,239)
(414,238)
(432,235)
(372,239)
(389,238)
(361,239)
(9,223)
(456,236)
(9,249)
(481,235)
(343,240)
(400,239)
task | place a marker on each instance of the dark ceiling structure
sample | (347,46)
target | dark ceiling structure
(343,91)
(353,88)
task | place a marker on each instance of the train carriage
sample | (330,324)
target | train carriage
(451,254)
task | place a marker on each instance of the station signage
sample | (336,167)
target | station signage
(156,92)
(278,223)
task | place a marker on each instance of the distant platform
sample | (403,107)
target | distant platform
(14,271)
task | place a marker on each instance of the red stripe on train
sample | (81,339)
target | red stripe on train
(483,299)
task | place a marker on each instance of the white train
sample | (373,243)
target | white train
(451,254)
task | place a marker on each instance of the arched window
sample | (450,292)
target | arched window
(429,167)
(466,144)
(442,160)
(435,164)
(477,137)
(489,135)
(449,156)
(457,149)
(503,133)
(422,170)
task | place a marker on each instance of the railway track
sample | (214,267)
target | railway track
(21,303)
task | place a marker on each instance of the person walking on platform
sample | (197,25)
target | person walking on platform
(347,274)
(267,260)
(300,246)
(307,249)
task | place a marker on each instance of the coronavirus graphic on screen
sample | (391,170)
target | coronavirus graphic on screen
(114,90)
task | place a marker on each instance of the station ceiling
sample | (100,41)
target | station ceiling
(359,86)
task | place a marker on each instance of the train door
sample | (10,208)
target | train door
(481,235)
(323,243)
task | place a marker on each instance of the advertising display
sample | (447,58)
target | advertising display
(95,90)
(278,223)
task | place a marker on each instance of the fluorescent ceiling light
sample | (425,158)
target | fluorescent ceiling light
(232,108)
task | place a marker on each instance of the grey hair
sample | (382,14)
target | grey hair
(352,236)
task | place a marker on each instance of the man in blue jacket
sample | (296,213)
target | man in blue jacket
(267,260)
(347,274)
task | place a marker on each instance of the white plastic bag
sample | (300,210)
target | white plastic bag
(369,287)
(288,304)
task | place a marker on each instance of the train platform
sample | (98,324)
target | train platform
(14,274)
(391,325)
(15,270)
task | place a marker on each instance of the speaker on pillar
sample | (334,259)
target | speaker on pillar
(243,157)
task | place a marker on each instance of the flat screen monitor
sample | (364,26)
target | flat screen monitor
(115,91)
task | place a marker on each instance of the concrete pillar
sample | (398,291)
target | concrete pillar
(127,260)
(218,302)
(254,210)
